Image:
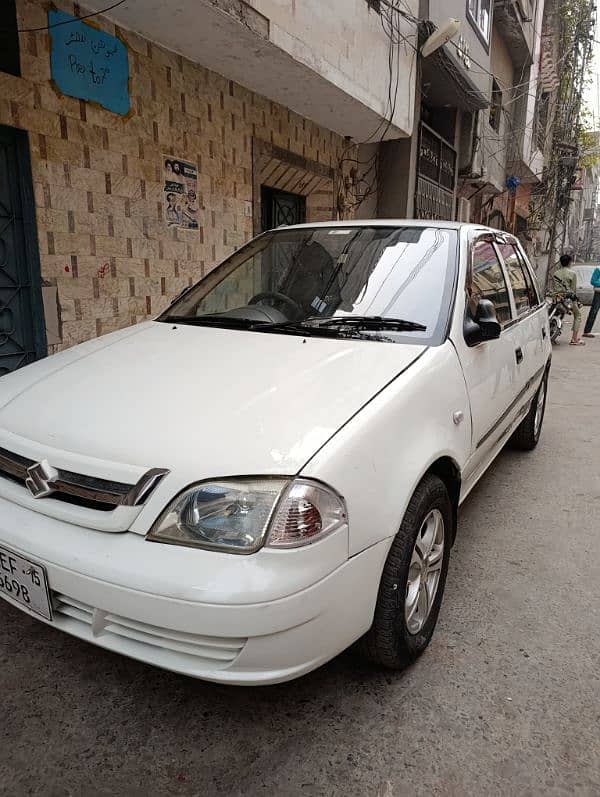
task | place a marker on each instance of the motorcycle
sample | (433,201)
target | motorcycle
(559,306)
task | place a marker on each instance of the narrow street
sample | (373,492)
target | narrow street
(504,702)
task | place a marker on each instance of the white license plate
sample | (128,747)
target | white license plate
(24,583)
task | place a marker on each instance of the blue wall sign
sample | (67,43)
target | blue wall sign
(88,63)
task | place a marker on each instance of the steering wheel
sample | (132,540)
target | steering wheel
(278,297)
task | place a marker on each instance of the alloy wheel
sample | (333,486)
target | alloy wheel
(424,571)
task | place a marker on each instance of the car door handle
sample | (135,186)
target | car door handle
(519,355)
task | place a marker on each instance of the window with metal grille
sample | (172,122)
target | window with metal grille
(9,39)
(496,107)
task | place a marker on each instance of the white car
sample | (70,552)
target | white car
(272,469)
(585,289)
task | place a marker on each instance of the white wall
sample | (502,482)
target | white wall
(532,156)
(324,59)
(439,13)
(344,41)
(495,144)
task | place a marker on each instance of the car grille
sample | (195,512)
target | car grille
(213,651)
(76,488)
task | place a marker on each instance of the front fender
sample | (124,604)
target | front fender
(379,457)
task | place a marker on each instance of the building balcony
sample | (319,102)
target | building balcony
(325,61)
(515,21)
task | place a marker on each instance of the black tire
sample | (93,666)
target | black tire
(389,643)
(555,330)
(527,436)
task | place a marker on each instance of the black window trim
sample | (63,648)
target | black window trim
(529,269)
(513,305)
(511,242)
(507,238)
(530,279)
(490,237)
(495,237)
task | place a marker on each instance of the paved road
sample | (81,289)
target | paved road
(505,702)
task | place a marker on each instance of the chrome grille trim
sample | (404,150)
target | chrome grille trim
(86,488)
(14,464)
(145,486)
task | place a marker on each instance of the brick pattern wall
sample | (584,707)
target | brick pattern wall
(98,177)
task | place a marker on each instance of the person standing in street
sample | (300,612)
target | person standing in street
(589,324)
(564,282)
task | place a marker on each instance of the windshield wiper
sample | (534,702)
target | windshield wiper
(290,328)
(210,321)
(350,326)
(367,323)
(313,325)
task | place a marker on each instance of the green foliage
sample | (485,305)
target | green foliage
(572,123)
(589,142)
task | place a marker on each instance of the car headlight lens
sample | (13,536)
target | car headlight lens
(240,516)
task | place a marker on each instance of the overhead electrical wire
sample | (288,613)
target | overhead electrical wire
(517,91)
(390,29)
(370,174)
(396,37)
(75,19)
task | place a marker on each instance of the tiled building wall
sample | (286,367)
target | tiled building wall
(98,177)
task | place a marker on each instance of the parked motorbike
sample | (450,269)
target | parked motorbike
(559,306)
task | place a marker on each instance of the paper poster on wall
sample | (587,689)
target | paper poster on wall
(181,193)
(88,63)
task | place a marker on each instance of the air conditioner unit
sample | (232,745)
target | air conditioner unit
(464,210)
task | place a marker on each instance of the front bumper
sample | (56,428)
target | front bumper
(242,643)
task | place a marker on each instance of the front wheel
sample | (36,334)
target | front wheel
(412,584)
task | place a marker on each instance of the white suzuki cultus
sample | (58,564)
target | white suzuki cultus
(272,469)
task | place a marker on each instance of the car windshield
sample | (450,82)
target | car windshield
(382,283)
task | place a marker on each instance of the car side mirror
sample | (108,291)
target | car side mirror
(483,326)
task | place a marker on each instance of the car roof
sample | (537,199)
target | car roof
(443,225)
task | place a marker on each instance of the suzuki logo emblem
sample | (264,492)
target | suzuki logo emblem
(39,479)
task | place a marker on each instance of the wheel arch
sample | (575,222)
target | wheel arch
(447,469)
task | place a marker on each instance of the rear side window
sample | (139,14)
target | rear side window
(529,279)
(488,280)
(520,280)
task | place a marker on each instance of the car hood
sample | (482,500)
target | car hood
(207,402)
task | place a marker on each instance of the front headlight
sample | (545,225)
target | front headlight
(242,515)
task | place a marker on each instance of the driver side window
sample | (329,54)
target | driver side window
(488,280)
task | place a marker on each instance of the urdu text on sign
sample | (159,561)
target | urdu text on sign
(88,63)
